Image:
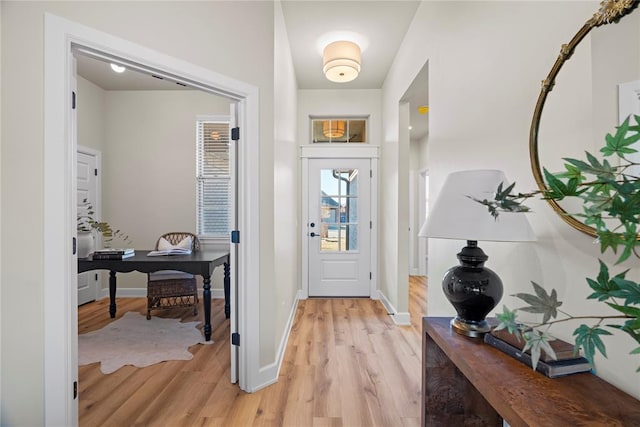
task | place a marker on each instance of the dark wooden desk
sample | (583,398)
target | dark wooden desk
(467,382)
(199,263)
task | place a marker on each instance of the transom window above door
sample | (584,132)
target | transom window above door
(338,130)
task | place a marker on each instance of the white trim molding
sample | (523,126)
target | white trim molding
(400,319)
(340,151)
(269,374)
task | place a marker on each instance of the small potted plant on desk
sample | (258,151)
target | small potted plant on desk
(87,224)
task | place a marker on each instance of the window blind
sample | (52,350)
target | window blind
(213,178)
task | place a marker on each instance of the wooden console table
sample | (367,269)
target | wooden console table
(466,382)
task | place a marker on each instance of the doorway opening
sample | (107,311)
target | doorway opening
(414,114)
(60,312)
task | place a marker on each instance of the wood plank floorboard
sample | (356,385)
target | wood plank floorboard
(346,364)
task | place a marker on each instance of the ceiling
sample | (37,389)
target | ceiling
(377,26)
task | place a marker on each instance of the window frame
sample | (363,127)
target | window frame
(347,119)
(210,238)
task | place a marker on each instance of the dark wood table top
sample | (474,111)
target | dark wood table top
(524,397)
(199,262)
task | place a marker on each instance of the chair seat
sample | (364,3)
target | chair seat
(172,288)
(169,275)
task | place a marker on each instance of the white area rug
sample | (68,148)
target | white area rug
(134,340)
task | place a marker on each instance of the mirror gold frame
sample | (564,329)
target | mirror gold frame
(611,11)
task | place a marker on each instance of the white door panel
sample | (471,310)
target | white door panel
(339,230)
(87,189)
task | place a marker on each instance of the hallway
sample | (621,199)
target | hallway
(346,364)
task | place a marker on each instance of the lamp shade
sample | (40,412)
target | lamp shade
(470,287)
(456,216)
(341,61)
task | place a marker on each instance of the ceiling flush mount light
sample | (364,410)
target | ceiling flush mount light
(118,68)
(333,128)
(341,61)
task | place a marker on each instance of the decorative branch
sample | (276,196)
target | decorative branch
(611,204)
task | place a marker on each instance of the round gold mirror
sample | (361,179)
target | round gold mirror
(587,95)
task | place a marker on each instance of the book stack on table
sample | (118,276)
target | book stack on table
(113,253)
(567,361)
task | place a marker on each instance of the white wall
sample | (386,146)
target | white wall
(286,226)
(149,165)
(91,115)
(486,61)
(416,165)
(203,33)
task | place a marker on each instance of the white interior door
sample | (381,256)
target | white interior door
(233,288)
(339,227)
(87,188)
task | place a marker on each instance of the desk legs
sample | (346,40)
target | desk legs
(227,289)
(112,294)
(206,301)
(206,297)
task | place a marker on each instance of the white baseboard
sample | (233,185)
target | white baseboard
(142,293)
(401,319)
(269,374)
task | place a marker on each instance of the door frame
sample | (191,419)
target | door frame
(60,264)
(339,151)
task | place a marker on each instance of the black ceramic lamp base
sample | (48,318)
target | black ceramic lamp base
(473,290)
(470,329)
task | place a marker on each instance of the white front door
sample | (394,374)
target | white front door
(339,227)
(87,188)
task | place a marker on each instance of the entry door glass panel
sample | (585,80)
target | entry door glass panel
(339,229)
(339,210)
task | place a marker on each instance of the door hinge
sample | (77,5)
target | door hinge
(75,390)
(73,246)
(95,172)
(235,134)
(235,338)
(370,276)
(370,173)
(235,236)
(371,224)
(73,100)
(96,276)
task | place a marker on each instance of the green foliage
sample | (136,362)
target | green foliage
(541,302)
(88,223)
(537,341)
(610,195)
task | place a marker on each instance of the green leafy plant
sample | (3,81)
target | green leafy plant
(87,223)
(609,189)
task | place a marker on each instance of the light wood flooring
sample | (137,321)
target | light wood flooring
(346,364)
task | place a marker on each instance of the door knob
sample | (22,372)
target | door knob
(312,234)
(313,224)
